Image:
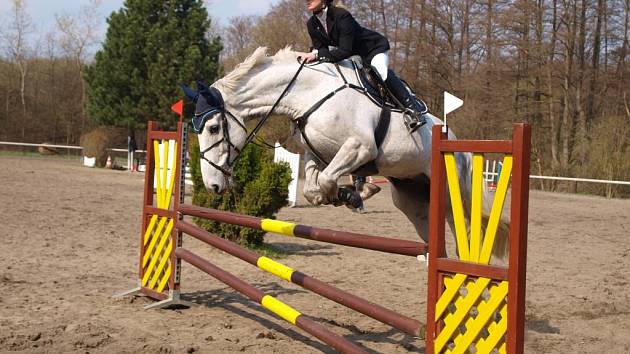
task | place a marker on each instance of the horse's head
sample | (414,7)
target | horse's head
(221,136)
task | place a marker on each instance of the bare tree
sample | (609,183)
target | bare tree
(79,32)
(16,44)
(238,39)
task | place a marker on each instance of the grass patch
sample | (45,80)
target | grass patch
(32,154)
(270,251)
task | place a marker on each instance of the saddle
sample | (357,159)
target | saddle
(369,84)
(375,88)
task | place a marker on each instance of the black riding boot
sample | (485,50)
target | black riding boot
(414,108)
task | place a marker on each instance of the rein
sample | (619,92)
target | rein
(226,131)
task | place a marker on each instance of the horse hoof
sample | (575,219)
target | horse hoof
(368,190)
(350,197)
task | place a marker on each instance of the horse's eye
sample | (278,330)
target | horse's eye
(214,129)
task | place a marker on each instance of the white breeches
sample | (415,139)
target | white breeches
(380,63)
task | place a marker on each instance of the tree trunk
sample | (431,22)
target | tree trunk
(23,69)
(554,124)
(581,137)
(408,36)
(568,124)
(590,101)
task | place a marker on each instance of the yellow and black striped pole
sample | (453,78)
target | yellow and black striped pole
(272,304)
(380,313)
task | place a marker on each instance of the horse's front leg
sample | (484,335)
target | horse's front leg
(354,153)
(311,191)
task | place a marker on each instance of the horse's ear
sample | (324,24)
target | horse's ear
(203,89)
(190,93)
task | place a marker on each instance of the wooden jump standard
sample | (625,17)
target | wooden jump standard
(469,300)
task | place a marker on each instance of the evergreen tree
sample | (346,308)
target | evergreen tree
(151,47)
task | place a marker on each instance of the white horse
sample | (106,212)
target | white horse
(341,132)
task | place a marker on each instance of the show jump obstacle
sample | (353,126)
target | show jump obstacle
(473,306)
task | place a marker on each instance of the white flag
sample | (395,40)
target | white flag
(451,103)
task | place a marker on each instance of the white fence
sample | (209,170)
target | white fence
(491,172)
(282,155)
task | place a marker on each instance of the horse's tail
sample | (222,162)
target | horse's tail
(501,241)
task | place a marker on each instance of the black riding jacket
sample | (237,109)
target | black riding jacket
(344,33)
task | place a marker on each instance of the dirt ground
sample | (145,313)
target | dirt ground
(70,241)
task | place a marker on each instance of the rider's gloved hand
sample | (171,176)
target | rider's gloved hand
(310,57)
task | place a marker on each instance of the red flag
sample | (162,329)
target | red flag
(178,108)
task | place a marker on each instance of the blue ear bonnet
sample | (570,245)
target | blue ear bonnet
(209,101)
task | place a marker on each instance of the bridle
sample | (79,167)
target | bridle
(218,106)
(198,123)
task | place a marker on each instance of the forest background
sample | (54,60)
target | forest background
(560,65)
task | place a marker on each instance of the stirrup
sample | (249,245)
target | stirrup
(413,120)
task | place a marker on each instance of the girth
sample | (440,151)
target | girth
(379,132)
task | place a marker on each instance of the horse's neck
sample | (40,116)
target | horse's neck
(263,89)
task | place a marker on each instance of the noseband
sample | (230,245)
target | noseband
(198,123)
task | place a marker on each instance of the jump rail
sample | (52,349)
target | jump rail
(375,243)
(394,319)
(270,303)
(471,303)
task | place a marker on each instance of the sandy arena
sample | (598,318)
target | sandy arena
(71,239)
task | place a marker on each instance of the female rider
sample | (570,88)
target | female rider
(336,35)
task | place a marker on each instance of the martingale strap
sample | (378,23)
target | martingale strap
(381,128)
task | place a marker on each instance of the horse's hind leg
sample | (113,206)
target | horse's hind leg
(412,198)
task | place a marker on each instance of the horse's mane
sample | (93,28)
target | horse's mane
(258,58)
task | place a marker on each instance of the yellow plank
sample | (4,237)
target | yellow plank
(485,312)
(164,256)
(147,232)
(456,204)
(278,227)
(497,331)
(497,210)
(451,318)
(156,172)
(164,260)
(148,252)
(458,336)
(481,306)
(165,279)
(165,150)
(476,206)
(275,268)
(171,182)
(452,286)
(450,295)
(463,309)
(279,308)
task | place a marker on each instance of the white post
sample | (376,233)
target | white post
(282,155)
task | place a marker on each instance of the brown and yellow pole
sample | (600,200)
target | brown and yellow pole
(376,243)
(270,303)
(375,311)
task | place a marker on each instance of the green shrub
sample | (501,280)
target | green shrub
(260,189)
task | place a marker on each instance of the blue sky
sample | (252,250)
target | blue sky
(43,12)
